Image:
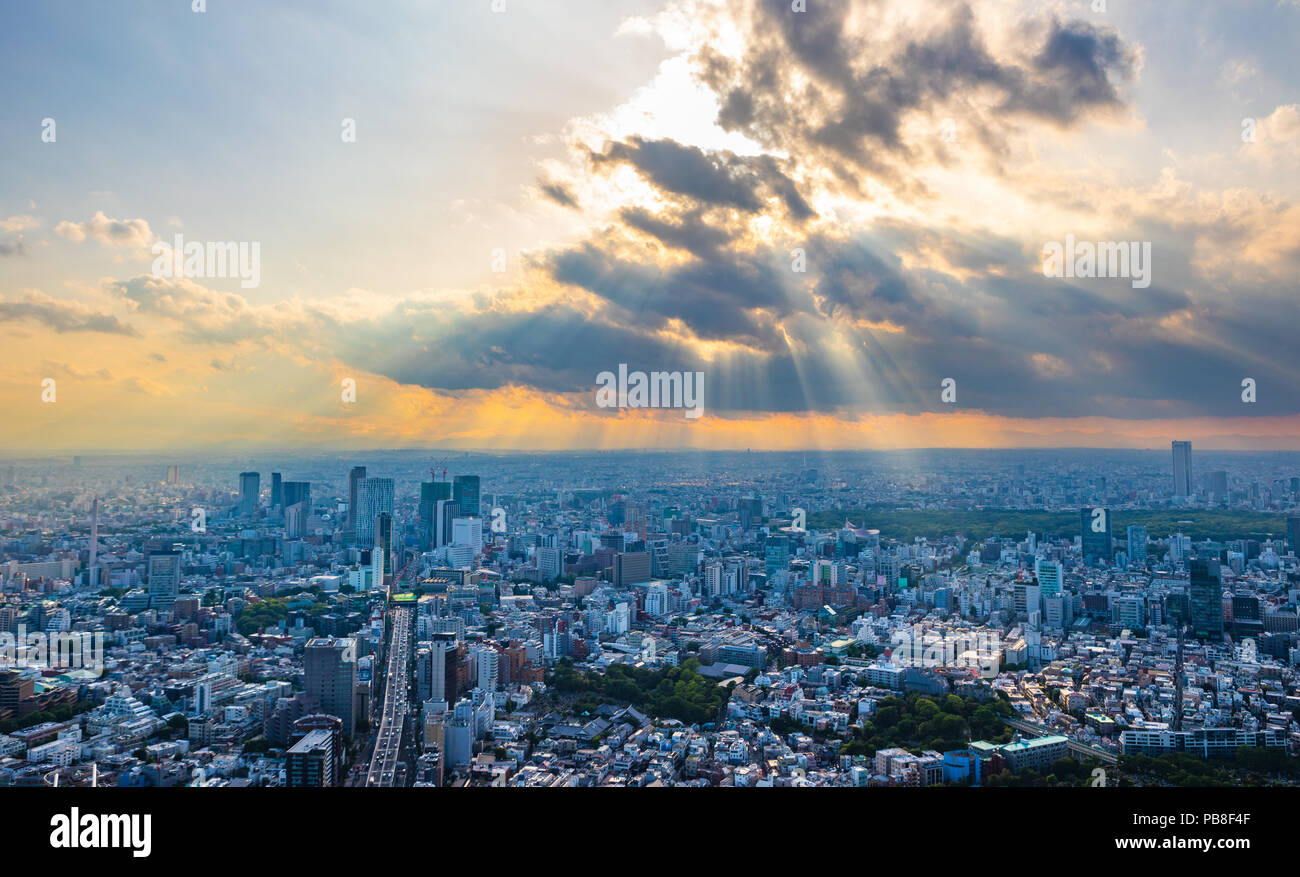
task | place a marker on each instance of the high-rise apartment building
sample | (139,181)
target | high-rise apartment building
(309,764)
(442,658)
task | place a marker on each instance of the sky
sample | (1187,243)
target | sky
(836,213)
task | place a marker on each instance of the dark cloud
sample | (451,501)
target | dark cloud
(62,316)
(713,179)
(724,297)
(559,193)
(691,233)
(807,85)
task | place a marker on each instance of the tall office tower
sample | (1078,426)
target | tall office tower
(1219,485)
(1137,545)
(355,477)
(1205,599)
(1182,468)
(1049,575)
(1095,526)
(173,474)
(445,511)
(383,550)
(1293,533)
(331,677)
(294,492)
(441,662)
(631,567)
(277,491)
(430,493)
(465,491)
(250,484)
(92,568)
(164,578)
(376,496)
(468,532)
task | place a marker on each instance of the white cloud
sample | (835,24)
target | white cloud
(128,233)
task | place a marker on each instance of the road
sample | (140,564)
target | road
(388,741)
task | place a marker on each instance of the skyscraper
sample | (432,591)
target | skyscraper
(277,493)
(1182,468)
(1219,485)
(1293,533)
(430,493)
(250,485)
(331,677)
(465,491)
(376,496)
(383,550)
(445,512)
(1096,541)
(294,492)
(1137,545)
(355,477)
(92,567)
(1205,599)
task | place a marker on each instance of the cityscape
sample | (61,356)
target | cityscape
(869,619)
(720,394)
